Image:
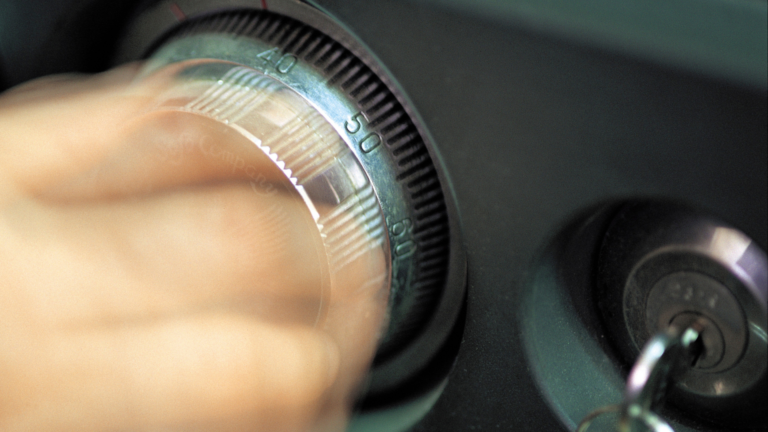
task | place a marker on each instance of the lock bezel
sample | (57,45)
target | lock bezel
(651,239)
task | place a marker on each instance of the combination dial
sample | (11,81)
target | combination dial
(349,143)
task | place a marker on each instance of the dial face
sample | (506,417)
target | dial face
(312,163)
(381,161)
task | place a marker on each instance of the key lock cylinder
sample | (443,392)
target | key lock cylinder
(686,295)
(301,89)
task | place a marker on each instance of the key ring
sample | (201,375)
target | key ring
(587,420)
(653,422)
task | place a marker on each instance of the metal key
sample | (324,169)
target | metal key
(663,357)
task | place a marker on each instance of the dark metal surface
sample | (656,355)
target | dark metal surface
(538,126)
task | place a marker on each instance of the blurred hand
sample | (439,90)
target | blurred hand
(148,285)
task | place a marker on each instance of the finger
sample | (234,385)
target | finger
(168,149)
(183,373)
(198,247)
(52,87)
(49,137)
(357,345)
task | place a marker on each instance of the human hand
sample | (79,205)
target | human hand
(146,285)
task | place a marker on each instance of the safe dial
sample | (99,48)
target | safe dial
(348,143)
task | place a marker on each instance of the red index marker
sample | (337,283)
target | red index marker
(179,14)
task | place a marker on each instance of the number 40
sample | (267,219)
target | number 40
(282,62)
